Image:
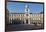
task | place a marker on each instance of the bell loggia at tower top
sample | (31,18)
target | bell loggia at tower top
(26,8)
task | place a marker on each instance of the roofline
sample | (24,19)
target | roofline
(24,13)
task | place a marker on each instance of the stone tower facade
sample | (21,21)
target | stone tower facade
(27,15)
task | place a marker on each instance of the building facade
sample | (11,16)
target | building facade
(27,18)
(21,16)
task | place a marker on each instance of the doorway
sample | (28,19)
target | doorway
(27,21)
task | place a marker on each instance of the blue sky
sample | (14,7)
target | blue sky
(20,7)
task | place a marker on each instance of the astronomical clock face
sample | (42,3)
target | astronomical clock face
(26,14)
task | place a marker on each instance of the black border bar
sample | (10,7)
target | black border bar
(27,2)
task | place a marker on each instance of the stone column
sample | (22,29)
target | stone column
(20,16)
(24,21)
(28,18)
(28,21)
(11,20)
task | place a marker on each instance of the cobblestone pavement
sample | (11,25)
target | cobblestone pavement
(21,27)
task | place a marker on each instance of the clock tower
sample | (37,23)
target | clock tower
(27,15)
